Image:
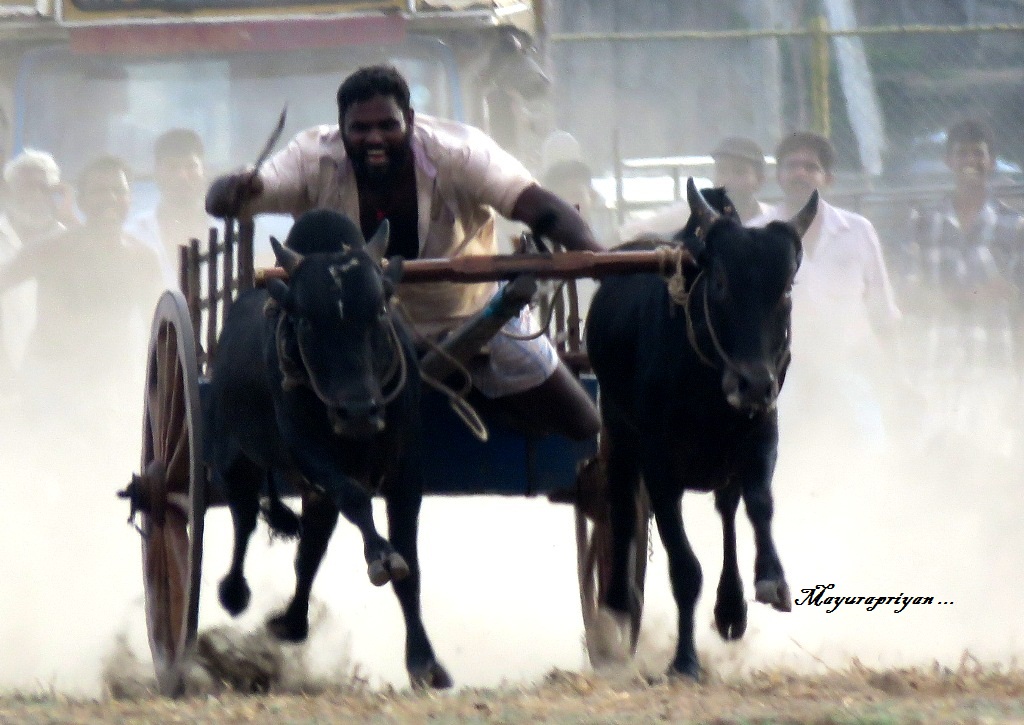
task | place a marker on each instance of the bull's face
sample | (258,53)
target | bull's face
(745,300)
(337,307)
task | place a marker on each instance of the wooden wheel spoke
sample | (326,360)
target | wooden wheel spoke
(160,637)
(174,429)
(178,463)
(167,381)
(154,421)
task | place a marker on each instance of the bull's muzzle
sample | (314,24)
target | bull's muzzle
(750,388)
(359,420)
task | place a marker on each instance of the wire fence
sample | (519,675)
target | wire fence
(883,94)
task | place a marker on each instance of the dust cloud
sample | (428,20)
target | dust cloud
(918,507)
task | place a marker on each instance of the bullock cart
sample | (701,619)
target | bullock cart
(171,494)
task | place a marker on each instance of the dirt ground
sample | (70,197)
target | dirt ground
(972,693)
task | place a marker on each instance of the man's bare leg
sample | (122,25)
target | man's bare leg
(559,405)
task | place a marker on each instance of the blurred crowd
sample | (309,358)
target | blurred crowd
(80,274)
(941,314)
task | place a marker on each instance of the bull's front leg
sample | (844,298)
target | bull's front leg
(354,502)
(319,517)
(403,524)
(755,479)
(683,568)
(730,609)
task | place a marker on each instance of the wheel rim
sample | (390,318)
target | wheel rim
(174,480)
(593,550)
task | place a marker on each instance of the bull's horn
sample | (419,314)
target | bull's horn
(699,206)
(377,247)
(803,219)
(289,259)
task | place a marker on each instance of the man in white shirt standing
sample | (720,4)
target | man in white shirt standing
(844,313)
(438,183)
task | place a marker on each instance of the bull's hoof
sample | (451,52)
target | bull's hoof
(731,618)
(390,567)
(289,628)
(774,592)
(234,594)
(687,669)
(431,676)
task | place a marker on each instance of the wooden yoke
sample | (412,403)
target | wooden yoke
(566,265)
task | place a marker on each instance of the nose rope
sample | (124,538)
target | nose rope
(714,337)
(403,365)
(680,295)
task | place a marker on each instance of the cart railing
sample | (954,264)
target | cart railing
(211,278)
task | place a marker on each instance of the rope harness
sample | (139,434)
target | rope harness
(671,266)
(294,371)
(682,295)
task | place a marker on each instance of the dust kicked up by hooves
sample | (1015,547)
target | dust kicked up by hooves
(229,659)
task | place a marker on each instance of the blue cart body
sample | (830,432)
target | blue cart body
(508,464)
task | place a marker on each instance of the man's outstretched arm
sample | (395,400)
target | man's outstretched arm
(545,212)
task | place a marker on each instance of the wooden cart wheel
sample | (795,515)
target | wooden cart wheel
(173,483)
(593,552)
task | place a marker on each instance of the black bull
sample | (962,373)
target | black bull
(316,384)
(688,390)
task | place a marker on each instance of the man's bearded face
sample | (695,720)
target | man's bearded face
(376,137)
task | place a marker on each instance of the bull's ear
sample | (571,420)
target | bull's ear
(699,208)
(378,243)
(803,219)
(280,293)
(289,259)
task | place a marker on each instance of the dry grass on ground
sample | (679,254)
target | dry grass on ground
(970,693)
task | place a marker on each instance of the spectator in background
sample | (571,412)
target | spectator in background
(567,175)
(94,281)
(739,167)
(180,174)
(843,275)
(962,279)
(33,210)
(964,250)
(844,312)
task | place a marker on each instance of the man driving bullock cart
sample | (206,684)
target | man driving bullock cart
(438,183)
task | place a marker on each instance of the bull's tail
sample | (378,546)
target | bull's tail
(282,520)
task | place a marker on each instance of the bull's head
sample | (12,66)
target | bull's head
(743,300)
(337,316)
